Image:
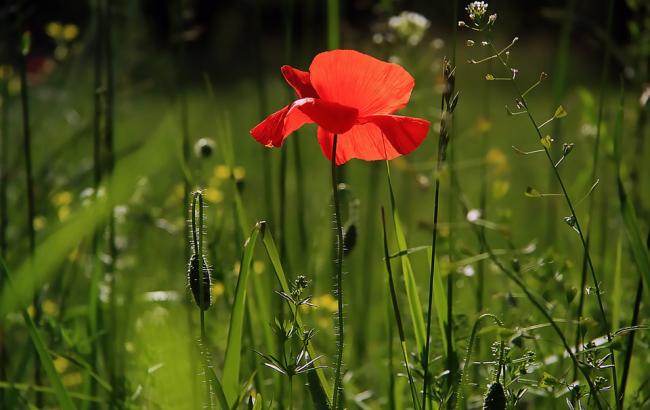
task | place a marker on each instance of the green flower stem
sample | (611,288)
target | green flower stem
(337,400)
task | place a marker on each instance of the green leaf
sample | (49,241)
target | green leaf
(232,361)
(546,141)
(46,361)
(532,193)
(560,112)
(218,389)
(415,307)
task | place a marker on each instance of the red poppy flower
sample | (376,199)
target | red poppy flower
(353,95)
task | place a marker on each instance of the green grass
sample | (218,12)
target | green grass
(527,280)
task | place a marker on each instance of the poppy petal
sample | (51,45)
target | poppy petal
(379,137)
(357,80)
(404,133)
(276,127)
(299,81)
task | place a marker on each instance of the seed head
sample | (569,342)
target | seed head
(567,148)
(204,147)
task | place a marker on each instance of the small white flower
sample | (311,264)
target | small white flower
(468,270)
(473,215)
(409,26)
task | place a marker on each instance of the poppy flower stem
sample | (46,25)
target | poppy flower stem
(337,399)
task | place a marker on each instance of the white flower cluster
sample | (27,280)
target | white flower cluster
(410,26)
(476,10)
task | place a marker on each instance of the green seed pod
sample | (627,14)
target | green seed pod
(495,398)
(349,238)
(193,278)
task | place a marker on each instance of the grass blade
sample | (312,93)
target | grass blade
(232,360)
(415,306)
(46,361)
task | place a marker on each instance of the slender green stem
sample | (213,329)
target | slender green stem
(29,179)
(333,25)
(577,226)
(115,358)
(443,140)
(452,364)
(427,343)
(337,400)
(94,303)
(468,354)
(629,347)
(4,159)
(594,170)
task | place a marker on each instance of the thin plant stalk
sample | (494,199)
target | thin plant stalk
(594,170)
(337,400)
(31,204)
(641,123)
(93,305)
(574,216)
(452,364)
(559,91)
(629,346)
(4,219)
(109,121)
(333,24)
(535,300)
(398,321)
(447,104)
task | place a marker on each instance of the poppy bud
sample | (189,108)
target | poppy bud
(349,239)
(495,399)
(194,280)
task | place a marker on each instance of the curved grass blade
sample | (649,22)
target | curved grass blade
(217,388)
(46,361)
(232,360)
(415,306)
(468,354)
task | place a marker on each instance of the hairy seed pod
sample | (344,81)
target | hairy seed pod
(495,399)
(349,239)
(193,278)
